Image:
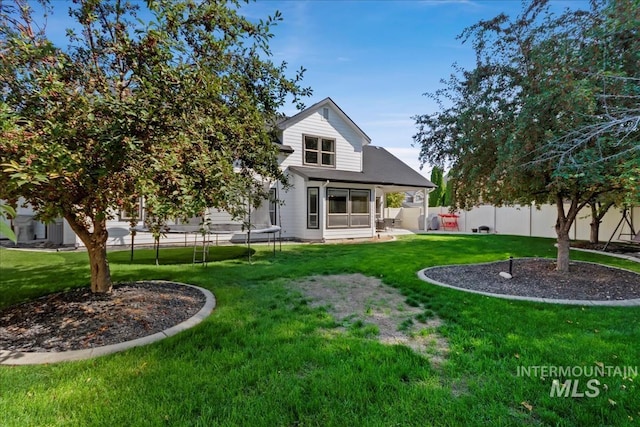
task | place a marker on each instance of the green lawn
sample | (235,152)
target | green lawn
(264,358)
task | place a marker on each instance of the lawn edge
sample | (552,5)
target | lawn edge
(8,357)
(422,274)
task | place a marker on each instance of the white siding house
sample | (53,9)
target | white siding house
(338,181)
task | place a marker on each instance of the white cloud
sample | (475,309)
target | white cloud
(410,157)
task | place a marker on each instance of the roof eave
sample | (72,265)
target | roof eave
(302,114)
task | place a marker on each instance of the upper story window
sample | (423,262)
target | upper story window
(319,151)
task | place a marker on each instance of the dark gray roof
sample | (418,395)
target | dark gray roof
(379,167)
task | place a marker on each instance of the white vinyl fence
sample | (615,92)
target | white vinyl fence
(528,221)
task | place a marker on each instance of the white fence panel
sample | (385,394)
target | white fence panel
(543,221)
(535,221)
(513,220)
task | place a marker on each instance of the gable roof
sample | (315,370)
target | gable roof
(378,167)
(289,121)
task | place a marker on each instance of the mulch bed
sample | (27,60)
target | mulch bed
(79,319)
(533,277)
(624,248)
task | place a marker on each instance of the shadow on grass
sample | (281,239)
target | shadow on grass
(264,345)
(22,283)
(173,256)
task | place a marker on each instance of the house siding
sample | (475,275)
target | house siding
(348,142)
(292,209)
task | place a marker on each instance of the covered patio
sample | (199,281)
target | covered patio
(413,217)
(382,173)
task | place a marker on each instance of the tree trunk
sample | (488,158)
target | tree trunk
(96,243)
(594,234)
(100,272)
(598,211)
(562,262)
(594,231)
(563,225)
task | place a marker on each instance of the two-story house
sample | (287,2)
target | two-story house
(338,186)
(339,179)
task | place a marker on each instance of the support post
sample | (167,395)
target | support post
(425,209)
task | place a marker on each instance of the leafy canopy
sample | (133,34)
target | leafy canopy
(170,101)
(529,122)
(164,108)
(546,115)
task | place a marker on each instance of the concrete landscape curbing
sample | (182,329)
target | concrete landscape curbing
(423,275)
(622,256)
(28,358)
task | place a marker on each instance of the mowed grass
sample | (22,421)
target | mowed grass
(264,356)
(180,255)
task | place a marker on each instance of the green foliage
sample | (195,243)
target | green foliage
(448,194)
(437,196)
(537,80)
(525,125)
(163,109)
(4,227)
(394,200)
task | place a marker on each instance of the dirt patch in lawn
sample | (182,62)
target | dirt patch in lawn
(367,307)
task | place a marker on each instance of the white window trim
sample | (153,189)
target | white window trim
(273,206)
(124,215)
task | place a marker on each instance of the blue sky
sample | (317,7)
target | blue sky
(376,59)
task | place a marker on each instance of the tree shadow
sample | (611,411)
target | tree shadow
(174,256)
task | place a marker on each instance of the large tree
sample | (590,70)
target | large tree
(170,101)
(535,82)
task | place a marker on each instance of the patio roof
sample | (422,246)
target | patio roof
(379,166)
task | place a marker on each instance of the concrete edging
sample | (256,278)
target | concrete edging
(27,358)
(614,255)
(422,274)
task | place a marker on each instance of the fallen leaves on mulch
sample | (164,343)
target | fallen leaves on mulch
(79,319)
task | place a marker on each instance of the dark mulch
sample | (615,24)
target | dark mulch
(625,248)
(538,278)
(78,319)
